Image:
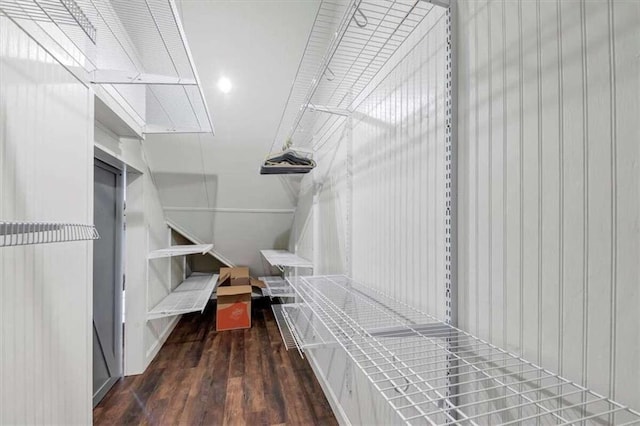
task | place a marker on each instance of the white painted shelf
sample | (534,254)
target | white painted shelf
(181,250)
(190,296)
(285,258)
(432,373)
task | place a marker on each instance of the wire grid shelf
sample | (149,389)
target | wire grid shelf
(285,258)
(123,43)
(276,287)
(298,328)
(332,73)
(286,328)
(433,373)
(181,250)
(191,295)
(27,233)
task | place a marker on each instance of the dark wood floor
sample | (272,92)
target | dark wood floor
(201,377)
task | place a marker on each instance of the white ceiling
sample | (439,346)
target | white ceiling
(210,185)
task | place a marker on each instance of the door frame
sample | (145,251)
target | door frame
(105,162)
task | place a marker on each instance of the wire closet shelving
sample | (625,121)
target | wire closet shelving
(192,294)
(28,233)
(284,258)
(430,372)
(276,287)
(348,45)
(137,48)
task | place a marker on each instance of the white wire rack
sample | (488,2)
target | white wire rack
(126,43)
(348,45)
(284,258)
(432,373)
(26,233)
(182,250)
(276,287)
(191,295)
(285,326)
(298,328)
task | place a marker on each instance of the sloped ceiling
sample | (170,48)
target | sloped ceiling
(210,186)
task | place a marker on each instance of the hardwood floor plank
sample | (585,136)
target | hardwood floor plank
(202,377)
(234,405)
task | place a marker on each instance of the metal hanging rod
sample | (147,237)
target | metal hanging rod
(27,233)
(430,372)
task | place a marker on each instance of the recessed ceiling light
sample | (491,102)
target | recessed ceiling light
(224,84)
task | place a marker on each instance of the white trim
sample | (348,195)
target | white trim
(155,348)
(334,402)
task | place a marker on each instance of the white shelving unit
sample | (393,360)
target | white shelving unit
(27,233)
(191,295)
(284,258)
(432,373)
(182,250)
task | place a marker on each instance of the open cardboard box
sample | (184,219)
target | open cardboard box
(234,298)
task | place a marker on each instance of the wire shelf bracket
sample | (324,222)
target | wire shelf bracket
(29,233)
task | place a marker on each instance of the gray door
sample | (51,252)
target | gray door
(107,280)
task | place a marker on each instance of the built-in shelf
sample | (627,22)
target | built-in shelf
(286,328)
(432,373)
(182,250)
(284,258)
(191,295)
(27,233)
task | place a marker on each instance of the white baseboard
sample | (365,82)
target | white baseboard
(155,348)
(341,416)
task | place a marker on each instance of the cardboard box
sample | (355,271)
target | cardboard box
(236,276)
(234,307)
(234,298)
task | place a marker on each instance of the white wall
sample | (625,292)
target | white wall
(549,185)
(46,174)
(396,218)
(210,185)
(147,282)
